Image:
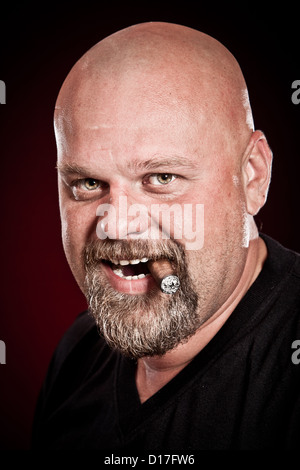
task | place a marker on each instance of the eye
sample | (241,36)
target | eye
(89,184)
(87,188)
(161,178)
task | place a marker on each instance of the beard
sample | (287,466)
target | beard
(144,324)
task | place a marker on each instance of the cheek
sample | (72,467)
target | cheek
(226,197)
(222,218)
(78,227)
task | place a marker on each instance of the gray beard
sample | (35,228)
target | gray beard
(141,325)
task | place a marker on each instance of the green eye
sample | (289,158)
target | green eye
(85,189)
(161,178)
(164,178)
(90,184)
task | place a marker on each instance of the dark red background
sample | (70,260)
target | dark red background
(39,45)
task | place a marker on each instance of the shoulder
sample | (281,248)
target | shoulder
(82,325)
(80,352)
(80,349)
(78,342)
(281,260)
(279,286)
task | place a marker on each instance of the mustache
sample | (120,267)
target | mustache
(109,250)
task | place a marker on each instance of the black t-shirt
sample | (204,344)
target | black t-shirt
(242,391)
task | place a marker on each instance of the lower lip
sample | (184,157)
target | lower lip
(133,286)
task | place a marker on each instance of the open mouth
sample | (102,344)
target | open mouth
(129,269)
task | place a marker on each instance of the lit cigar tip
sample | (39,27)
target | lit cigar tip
(164,275)
(170,284)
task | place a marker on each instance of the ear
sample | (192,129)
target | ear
(257,164)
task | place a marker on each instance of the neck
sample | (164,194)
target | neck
(154,372)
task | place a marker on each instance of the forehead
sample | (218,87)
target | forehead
(132,120)
(139,114)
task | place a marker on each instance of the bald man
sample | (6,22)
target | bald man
(160,170)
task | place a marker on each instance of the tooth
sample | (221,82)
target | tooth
(124,262)
(118,272)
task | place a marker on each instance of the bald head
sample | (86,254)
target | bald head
(159,64)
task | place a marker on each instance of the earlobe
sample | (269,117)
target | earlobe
(257,164)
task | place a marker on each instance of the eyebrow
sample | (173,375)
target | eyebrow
(72,168)
(161,162)
(134,166)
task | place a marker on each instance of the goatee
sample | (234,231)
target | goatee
(146,324)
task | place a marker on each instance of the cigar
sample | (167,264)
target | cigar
(164,275)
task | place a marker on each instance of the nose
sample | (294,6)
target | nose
(122,218)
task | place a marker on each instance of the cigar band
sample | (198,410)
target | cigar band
(169,284)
